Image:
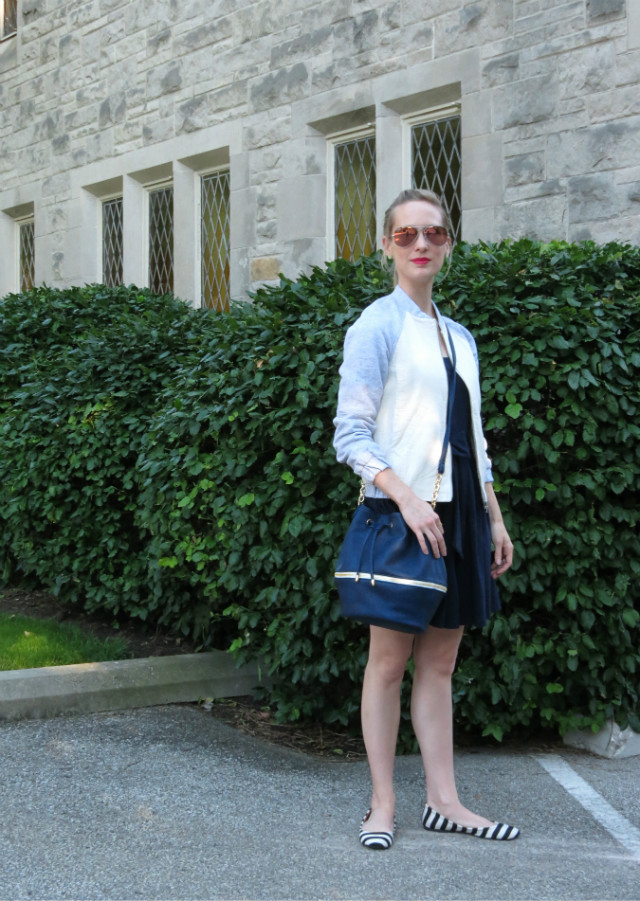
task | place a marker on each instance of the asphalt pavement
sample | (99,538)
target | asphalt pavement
(170,803)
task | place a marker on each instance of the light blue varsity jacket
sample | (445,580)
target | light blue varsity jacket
(393,394)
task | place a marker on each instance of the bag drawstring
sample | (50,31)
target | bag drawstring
(376,528)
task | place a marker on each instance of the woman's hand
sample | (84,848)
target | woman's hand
(503,549)
(420,516)
(423,520)
(502,544)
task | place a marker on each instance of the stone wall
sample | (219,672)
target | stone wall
(113,94)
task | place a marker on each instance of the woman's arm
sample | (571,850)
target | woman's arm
(503,547)
(420,516)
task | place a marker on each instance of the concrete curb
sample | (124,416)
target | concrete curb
(122,684)
(611,741)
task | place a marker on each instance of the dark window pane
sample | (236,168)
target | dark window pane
(161,241)
(435,161)
(112,241)
(27,256)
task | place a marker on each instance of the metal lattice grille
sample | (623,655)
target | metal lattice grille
(161,241)
(8,18)
(435,163)
(355,197)
(112,247)
(27,256)
(215,241)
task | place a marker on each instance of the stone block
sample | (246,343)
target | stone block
(266,207)
(529,190)
(32,10)
(265,132)
(112,111)
(586,71)
(618,104)
(542,18)
(303,255)
(501,70)
(302,207)
(524,168)
(164,79)
(541,218)
(158,41)
(629,198)
(478,225)
(525,102)
(481,171)
(614,145)
(265,269)
(157,131)
(205,35)
(473,25)
(628,66)
(278,88)
(83,13)
(624,230)
(243,218)
(602,10)
(308,45)
(257,19)
(357,35)
(633,25)
(592,197)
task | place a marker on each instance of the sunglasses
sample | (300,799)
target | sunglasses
(407,234)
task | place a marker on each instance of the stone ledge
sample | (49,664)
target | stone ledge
(611,741)
(121,684)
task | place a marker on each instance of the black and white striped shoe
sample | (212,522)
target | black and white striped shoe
(435,822)
(376,841)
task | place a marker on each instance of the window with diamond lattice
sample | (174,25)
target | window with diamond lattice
(112,246)
(355,197)
(27,256)
(8,18)
(161,240)
(435,163)
(215,240)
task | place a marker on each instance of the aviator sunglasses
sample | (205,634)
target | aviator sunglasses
(407,234)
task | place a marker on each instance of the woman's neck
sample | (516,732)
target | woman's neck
(420,295)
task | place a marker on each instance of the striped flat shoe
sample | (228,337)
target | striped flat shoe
(435,822)
(376,841)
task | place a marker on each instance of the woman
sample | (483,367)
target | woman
(389,428)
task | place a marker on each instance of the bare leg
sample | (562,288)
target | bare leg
(435,655)
(380,712)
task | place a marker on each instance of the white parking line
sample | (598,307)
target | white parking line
(617,825)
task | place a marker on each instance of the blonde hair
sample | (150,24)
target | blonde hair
(405,197)
(415,194)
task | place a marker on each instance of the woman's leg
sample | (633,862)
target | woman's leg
(380,712)
(435,655)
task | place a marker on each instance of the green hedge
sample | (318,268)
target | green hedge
(176,466)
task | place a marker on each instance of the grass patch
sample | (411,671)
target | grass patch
(26,643)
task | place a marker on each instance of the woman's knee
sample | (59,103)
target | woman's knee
(386,668)
(388,656)
(438,653)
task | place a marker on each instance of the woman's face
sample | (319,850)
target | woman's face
(418,263)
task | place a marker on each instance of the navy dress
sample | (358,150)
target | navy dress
(472,595)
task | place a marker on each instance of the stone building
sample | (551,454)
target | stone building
(206,146)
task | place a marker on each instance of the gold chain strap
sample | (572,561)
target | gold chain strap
(436,490)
